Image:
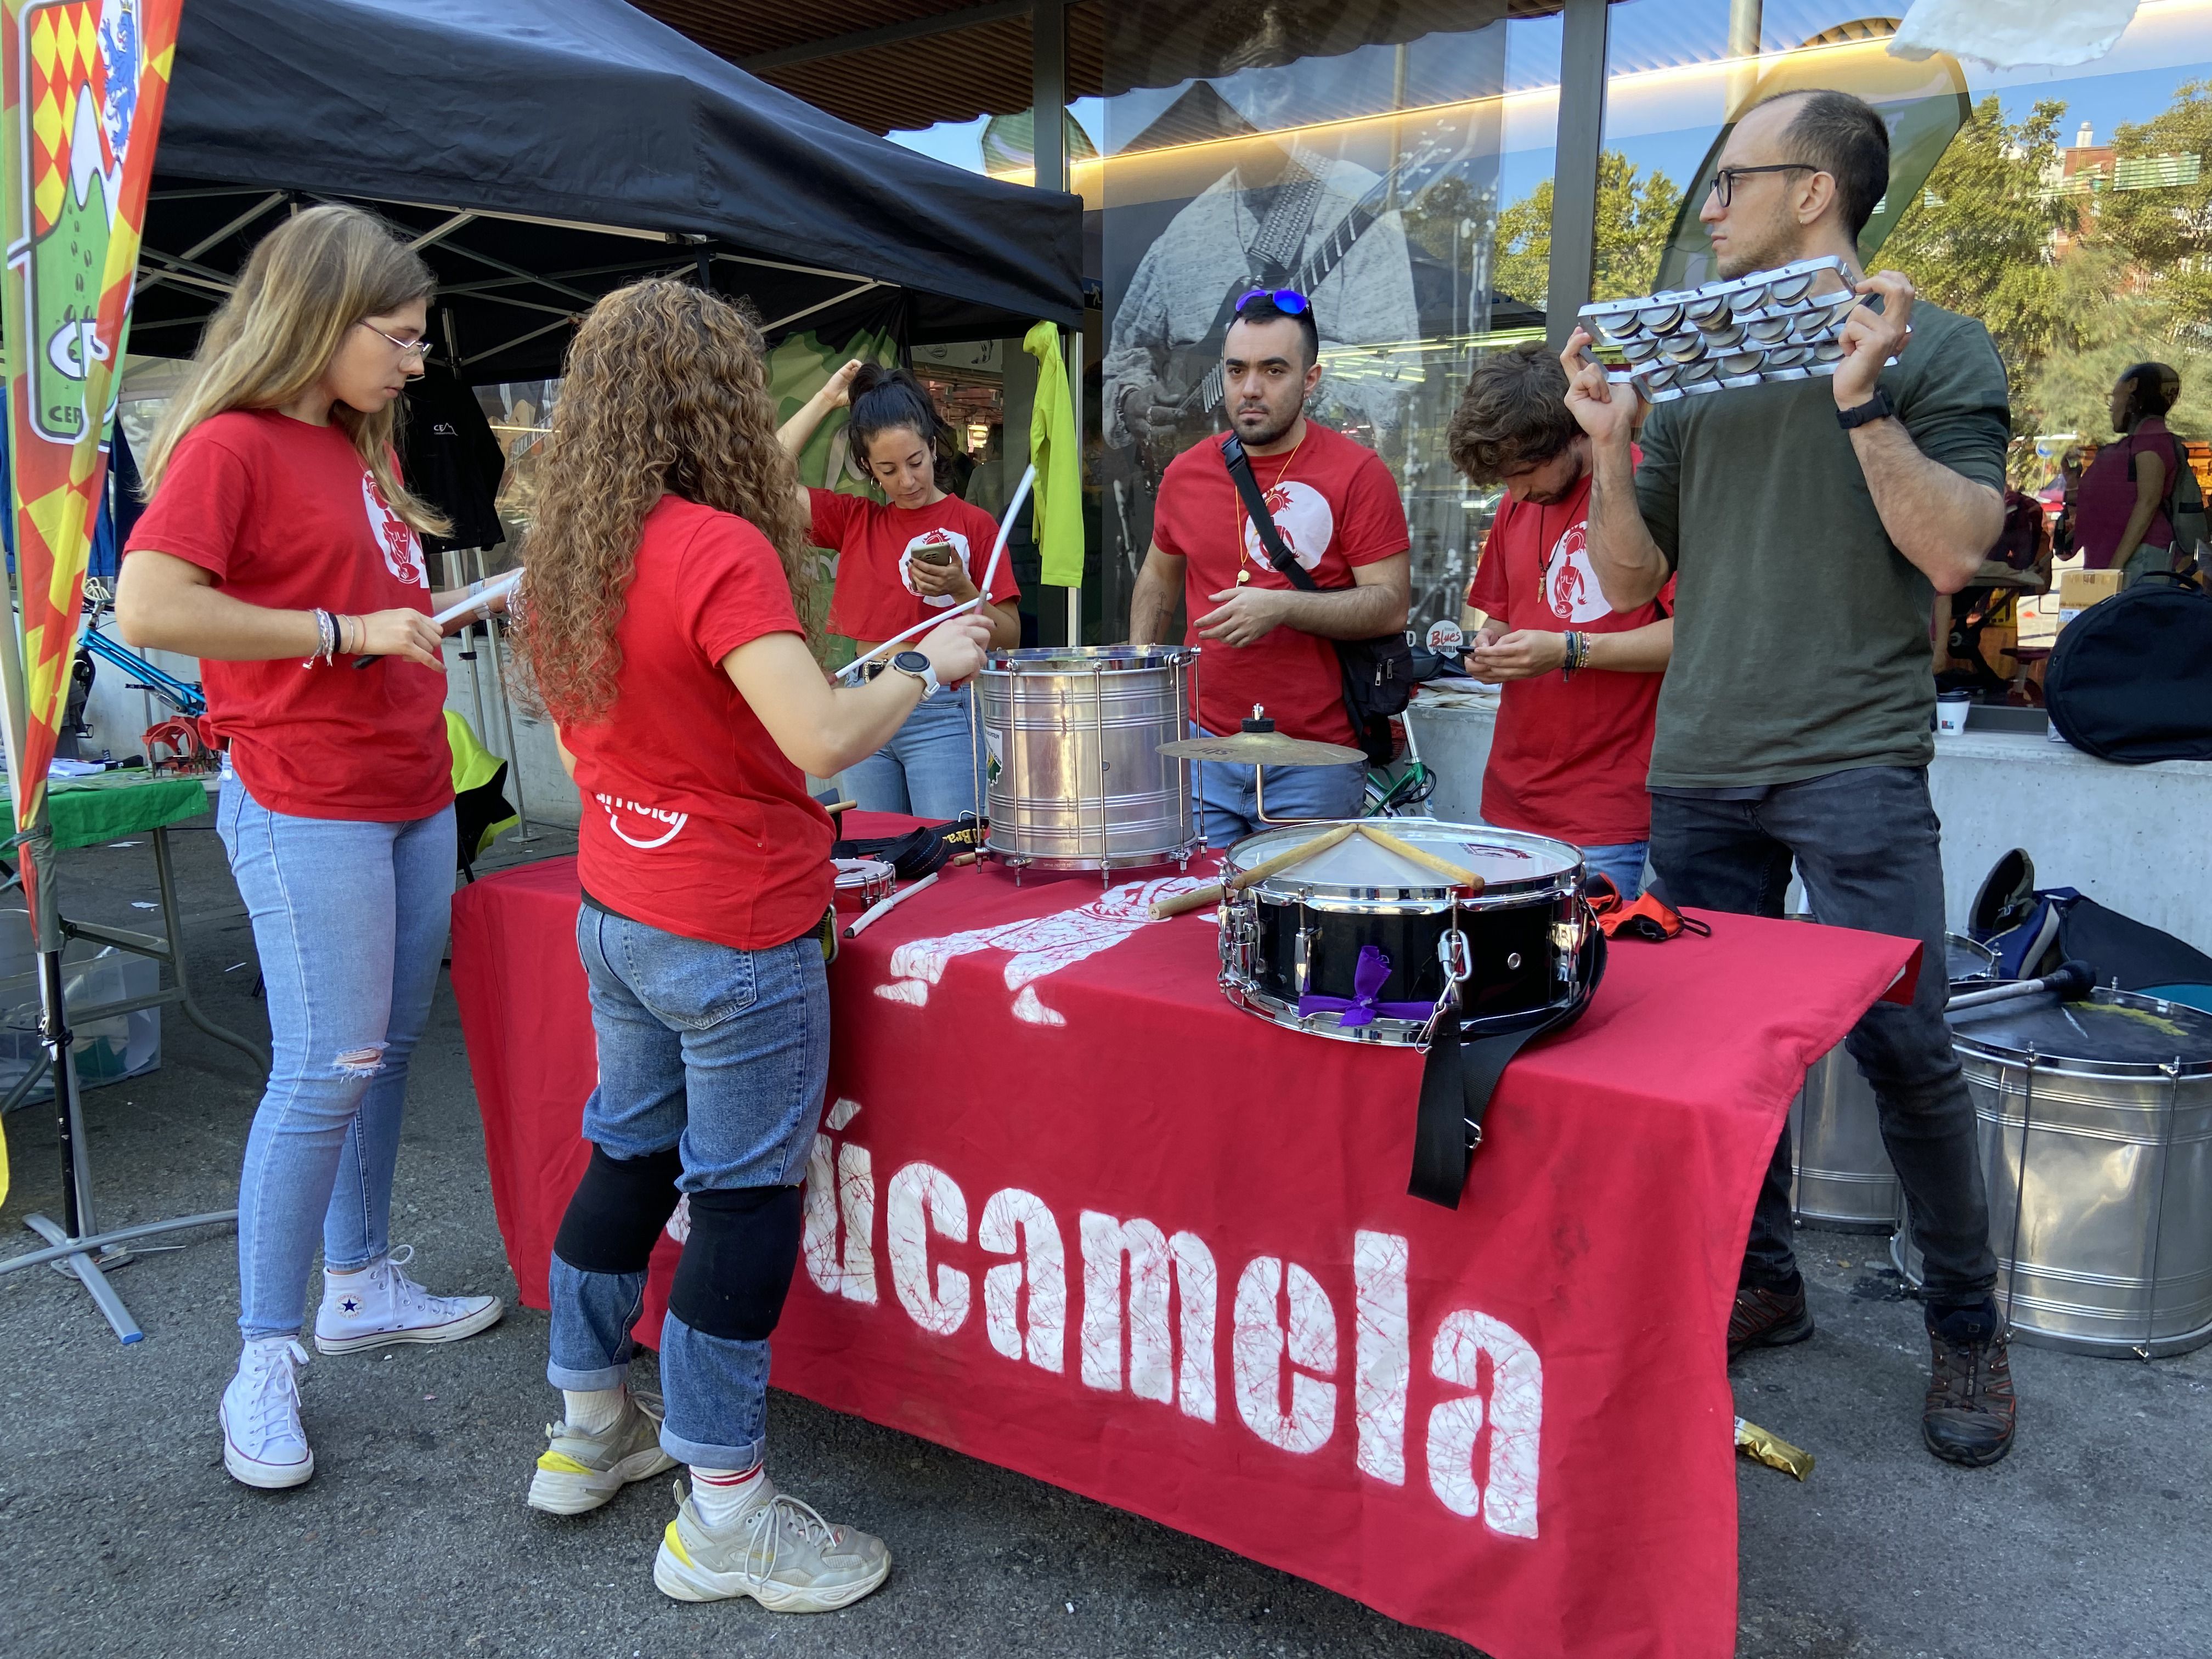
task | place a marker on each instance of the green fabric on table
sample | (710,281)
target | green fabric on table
(88,811)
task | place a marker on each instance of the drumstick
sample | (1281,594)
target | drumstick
(1406,849)
(880,906)
(834,807)
(1199,897)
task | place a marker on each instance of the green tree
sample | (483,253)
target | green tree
(1979,240)
(1635,213)
(2165,230)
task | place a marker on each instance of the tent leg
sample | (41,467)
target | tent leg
(523,832)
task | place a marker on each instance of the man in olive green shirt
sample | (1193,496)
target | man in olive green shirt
(1810,524)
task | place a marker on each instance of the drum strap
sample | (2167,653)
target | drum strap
(1462,1072)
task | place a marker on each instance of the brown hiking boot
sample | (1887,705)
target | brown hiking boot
(1970,1409)
(1768,1318)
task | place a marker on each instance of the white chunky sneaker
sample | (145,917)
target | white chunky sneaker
(580,1472)
(380,1304)
(263,1442)
(778,1552)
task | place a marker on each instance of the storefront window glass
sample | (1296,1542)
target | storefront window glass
(1343,150)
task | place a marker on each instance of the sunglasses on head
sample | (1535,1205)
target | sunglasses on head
(1288,300)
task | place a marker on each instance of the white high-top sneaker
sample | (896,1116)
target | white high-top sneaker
(262,1441)
(380,1304)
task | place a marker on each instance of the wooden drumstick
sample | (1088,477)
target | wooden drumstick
(833,808)
(1199,897)
(1406,849)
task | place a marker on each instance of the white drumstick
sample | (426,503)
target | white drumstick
(497,588)
(880,906)
(982,589)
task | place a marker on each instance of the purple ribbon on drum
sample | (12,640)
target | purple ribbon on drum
(1369,975)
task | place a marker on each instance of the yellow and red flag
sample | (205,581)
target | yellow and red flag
(85,82)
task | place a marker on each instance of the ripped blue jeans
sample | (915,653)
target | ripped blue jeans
(350,920)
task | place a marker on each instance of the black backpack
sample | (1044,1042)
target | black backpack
(2131,678)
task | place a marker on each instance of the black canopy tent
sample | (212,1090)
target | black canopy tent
(548,153)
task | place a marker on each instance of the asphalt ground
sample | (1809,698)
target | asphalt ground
(121,1534)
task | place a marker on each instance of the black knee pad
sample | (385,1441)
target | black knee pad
(737,1263)
(618,1209)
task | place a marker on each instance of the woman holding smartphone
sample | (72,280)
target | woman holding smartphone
(668,568)
(899,560)
(280,545)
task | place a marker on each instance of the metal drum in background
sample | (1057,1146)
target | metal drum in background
(1295,945)
(1843,1180)
(2095,1124)
(1068,739)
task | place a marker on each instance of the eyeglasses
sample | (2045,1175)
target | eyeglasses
(1288,300)
(1723,184)
(419,349)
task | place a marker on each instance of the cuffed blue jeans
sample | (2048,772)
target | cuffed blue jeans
(927,768)
(723,1054)
(1867,844)
(349,919)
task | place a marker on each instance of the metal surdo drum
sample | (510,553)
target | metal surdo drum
(1354,941)
(2095,1124)
(1067,738)
(1842,1179)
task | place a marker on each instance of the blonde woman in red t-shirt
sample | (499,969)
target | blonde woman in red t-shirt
(668,566)
(899,560)
(280,546)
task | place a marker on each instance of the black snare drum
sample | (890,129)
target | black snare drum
(1354,943)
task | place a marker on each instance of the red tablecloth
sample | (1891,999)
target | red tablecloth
(1072,1212)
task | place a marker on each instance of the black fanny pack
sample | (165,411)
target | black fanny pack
(1378,673)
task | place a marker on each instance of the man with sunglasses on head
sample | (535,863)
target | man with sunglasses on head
(1266,643)
(1810,525)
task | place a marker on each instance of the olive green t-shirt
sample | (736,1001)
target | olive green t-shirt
(1802,642)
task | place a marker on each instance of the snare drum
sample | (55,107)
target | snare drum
(1353,943)
(862,881)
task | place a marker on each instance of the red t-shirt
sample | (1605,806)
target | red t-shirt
(286,515)
(1336,505)
(1570,757)
(875,542)
(693,822)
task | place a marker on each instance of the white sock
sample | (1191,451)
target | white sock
(594,1411)
(720,1496)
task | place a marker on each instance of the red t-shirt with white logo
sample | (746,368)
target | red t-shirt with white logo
(287,515)
(1570,757)
(1336,505)
(693,822)
(876,598)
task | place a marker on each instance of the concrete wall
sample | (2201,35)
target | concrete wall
(2132,837)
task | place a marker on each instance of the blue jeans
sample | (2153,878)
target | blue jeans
(350,920)
(928,768)
(1867,844)
(1623,863)
(1229,804)
(724,1054)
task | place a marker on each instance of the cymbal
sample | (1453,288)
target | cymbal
(1264,749)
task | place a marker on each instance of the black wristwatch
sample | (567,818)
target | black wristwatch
(1876,408)
(914,663)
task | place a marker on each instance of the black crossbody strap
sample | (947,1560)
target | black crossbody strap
(1263,521)
(1462,1073)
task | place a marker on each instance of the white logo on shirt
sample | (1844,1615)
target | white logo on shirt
(402,554)
(954,540)
(1570,587)
(1303,518)
(675,820)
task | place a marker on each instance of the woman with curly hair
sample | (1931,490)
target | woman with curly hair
(660,612)
(280,546)
(918,550)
